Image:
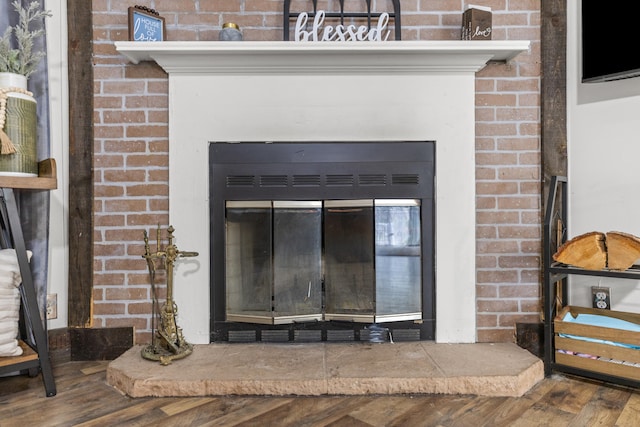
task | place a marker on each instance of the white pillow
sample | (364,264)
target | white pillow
(10,280)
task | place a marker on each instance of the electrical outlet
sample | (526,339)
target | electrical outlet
(601,297)
(52,306)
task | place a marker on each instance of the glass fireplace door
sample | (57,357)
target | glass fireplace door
(349,260)
(274,261)
(373,260)
(249,268)
(342,260)
(297,261)
(398,260)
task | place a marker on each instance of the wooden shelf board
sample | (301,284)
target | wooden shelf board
(27,355)
(46,179)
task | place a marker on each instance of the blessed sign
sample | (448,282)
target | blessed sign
(321,32)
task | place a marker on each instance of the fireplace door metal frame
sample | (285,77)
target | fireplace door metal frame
(308,171)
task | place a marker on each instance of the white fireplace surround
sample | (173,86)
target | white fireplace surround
(315,91)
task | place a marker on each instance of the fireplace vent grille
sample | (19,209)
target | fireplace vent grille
(242,336)
(240,181)
(340,335)
(315,335)
(405,335)
(273,181)
(333,180)
(372,179)
(275,336)
(405,179)
(340,180)
(307,336)
(306,180)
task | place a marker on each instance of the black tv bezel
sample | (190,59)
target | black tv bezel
(596,45)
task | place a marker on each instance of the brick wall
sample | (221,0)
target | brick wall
(131,150)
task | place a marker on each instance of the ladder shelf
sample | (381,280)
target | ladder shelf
(35,356)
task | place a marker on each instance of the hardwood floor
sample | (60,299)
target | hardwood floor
(85,399)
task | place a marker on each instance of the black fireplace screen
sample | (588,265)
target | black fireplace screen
(320,241)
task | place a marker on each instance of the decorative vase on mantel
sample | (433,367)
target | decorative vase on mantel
(18,127)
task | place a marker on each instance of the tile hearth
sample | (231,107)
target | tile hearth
(311,369)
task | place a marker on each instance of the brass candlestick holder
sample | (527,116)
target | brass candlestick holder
(167,341)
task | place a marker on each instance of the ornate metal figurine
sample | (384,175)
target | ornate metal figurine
(167,342)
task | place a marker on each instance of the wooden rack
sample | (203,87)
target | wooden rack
(34,342)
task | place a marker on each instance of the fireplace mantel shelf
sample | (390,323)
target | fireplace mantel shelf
(264,56)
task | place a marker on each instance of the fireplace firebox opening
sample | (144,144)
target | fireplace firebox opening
(322,241)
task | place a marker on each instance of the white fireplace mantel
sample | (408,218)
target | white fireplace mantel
(259,57)
(325,91)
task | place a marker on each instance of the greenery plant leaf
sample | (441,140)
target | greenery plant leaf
(23,59)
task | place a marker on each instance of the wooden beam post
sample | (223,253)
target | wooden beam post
(80,34)
(553,94)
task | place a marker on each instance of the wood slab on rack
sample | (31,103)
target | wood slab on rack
(586,251)
(623,250)
(46,179)
(614,250)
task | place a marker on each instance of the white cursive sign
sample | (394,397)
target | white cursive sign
(484,33)
(340,32)
(145,29)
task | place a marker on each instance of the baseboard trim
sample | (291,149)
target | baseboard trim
(530,336)
(85,344)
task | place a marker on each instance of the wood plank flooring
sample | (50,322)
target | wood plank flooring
(85,399)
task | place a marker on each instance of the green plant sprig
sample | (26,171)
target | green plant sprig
(23,60)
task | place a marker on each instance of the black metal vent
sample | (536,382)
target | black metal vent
(340,335)
(240,181)
(242,336)
(306,180)
(273,181)
(265,334)
(405,179)
(307,336)
(340,180)
(405,335)
(279,335)
(316,180)
(373,179)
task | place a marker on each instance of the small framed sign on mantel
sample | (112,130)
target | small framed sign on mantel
(145,25)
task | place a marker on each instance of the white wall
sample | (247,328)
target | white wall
(603,170)
(59,119)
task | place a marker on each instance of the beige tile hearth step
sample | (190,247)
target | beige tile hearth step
(501,369)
